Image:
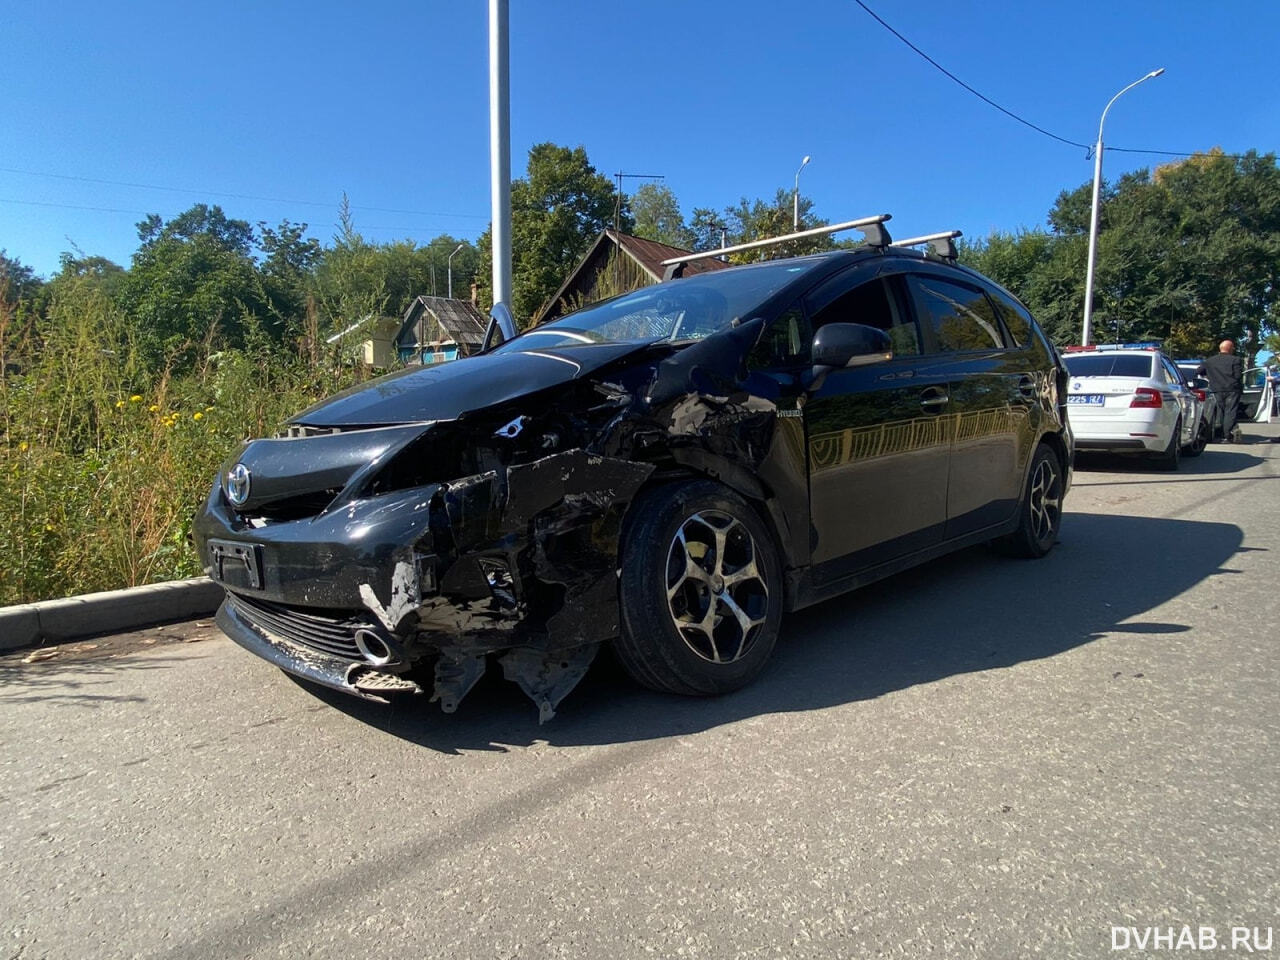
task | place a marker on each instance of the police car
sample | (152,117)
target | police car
(1131,399)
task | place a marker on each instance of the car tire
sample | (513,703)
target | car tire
(1172,455)
(1200,441)
(1040,513)
(700,590)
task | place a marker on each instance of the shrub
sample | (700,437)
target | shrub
(105,461)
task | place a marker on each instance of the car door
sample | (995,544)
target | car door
(878,436)
(1187,401)
(993,390)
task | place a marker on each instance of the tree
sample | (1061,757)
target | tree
(557,210)
(760,220)
(194,279)
(356,279)
(1187,255)
(658,217)
(20,288)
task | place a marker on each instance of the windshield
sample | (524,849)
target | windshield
(686,309)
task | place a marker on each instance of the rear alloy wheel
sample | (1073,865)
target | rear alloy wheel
(700,590)
(1172,455)
(1200,441)
(1040,519)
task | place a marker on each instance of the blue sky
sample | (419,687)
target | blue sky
(273,110)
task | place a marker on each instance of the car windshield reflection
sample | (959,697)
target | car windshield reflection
(687,309)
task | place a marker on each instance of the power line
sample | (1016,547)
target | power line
(980,96)
(236,196)
(1010,113)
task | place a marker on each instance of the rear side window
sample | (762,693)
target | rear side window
(1104,365)
(962,318)
(1016,320)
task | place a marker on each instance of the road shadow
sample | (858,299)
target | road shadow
(971,611)
(75,681)
(1216,459)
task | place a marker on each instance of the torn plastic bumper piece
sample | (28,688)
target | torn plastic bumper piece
(321,668)
(520,563)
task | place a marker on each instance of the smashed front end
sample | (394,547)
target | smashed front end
(386,559)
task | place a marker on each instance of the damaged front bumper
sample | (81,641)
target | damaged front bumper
(412,590)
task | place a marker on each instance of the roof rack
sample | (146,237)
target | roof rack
(942,246)
(872,230)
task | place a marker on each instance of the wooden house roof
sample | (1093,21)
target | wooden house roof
(461,319)
(646,254)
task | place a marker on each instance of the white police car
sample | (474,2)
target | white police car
(1131,399)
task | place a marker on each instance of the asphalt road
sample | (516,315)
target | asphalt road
(986,757)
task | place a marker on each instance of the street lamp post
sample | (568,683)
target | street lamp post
(1093,215)
(450,263)
(795,197)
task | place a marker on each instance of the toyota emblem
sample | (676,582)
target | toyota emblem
(237,485)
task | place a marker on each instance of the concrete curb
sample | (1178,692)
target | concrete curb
(56,621)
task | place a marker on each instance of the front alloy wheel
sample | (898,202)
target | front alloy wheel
(699,592)
(716,594)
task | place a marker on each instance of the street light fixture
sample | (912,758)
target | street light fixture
(450,263)
(1093,216)
(795,197)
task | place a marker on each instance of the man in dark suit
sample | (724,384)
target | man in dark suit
(1225,373)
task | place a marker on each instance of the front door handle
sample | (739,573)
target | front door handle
(934,399)
(1027,387)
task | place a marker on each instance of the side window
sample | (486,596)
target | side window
(962,318)
(1016,320)
(785,343)
(867,301)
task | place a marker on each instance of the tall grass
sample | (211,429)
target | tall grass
(104,462)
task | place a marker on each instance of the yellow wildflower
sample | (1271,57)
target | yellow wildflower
(154,407)
(119,404)
(197,415)
(23,447)
(136,398)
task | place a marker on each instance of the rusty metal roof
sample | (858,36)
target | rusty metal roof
(649,254)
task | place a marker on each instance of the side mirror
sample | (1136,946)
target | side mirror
(838,345)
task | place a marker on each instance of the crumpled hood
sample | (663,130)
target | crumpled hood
(446,391)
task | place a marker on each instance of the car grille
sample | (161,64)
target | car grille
(332,633)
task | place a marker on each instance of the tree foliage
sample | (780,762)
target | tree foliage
(1188,254)
(658,217)
(750,220)
(557,210)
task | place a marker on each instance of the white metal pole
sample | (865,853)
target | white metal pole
(795,198)
(1093,242)
(1093,215)
(500,147)
(450,263)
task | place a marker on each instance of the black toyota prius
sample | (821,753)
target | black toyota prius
(668,472)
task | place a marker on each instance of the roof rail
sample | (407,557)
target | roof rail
(941,245)
(872,229)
